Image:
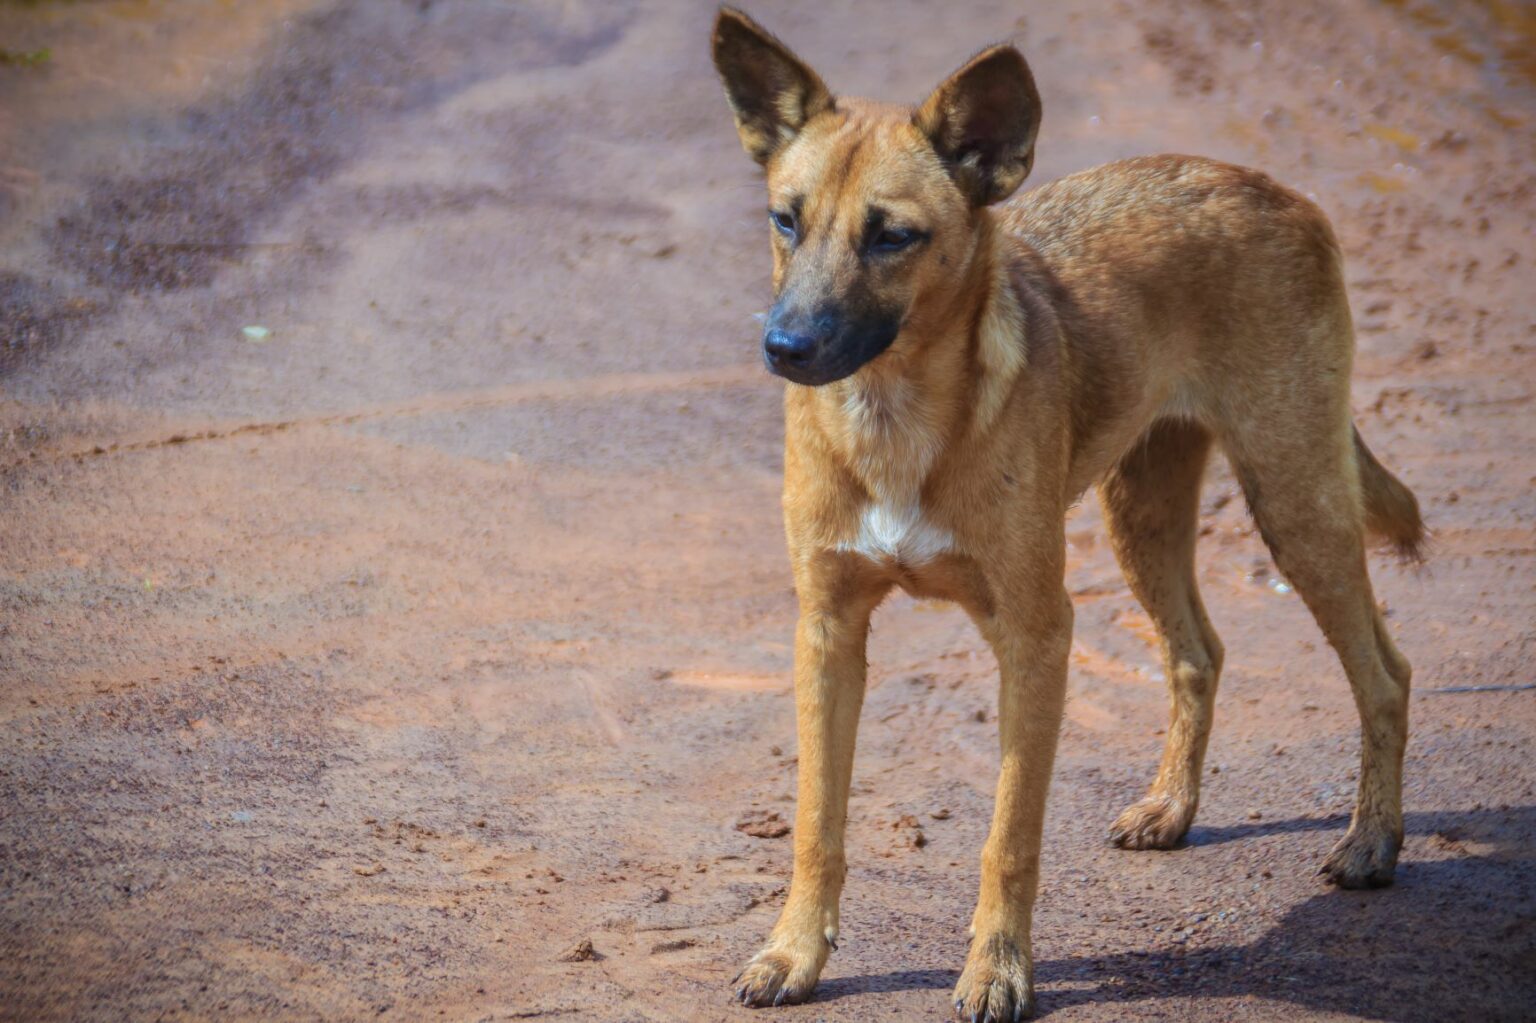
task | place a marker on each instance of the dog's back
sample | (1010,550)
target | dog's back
(1202,272)
(1211,292)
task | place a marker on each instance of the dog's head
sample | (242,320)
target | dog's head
(872,208)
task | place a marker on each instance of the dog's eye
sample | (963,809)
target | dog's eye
(783,222)
(893,239)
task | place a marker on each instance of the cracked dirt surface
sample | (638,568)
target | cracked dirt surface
(367,669)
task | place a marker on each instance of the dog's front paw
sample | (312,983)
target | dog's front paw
(1364,858)
(783,973)
(998,983)
(1156,822)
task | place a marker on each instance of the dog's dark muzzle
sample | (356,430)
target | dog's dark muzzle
(820,350)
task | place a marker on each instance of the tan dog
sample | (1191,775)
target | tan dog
(960,373)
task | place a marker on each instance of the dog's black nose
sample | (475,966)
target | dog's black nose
(786,349)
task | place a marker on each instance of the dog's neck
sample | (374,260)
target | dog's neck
(947,380)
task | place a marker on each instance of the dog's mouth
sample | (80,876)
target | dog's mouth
(817,374)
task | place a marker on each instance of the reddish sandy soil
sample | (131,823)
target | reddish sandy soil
(360,671)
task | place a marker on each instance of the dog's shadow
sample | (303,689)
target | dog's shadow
(1454,938)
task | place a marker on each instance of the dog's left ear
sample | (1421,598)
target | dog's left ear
(772,92)
(982,122)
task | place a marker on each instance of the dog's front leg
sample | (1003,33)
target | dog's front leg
(829,691)
(1031,636)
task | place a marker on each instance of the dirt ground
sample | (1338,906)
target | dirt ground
(360,669)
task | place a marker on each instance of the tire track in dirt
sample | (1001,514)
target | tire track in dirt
(331,78)
(607,386)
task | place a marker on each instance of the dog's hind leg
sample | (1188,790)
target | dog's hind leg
(1303,483)
(1151,500)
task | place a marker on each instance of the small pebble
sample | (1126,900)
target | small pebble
(580,952)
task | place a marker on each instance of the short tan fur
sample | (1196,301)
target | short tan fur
(962,370)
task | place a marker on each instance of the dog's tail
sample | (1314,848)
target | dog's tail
(1391,510)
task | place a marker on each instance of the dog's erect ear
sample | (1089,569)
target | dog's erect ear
(770,90)
(982,122)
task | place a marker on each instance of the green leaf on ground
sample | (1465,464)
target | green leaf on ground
(29,58)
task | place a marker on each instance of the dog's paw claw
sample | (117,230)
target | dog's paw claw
(1362,860)
(1156,822)
(997,985)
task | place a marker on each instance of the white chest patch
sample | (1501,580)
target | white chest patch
(899,533)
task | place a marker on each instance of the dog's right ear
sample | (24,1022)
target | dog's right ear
(771,91)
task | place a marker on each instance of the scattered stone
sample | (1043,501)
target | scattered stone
(1455,141)
(1448,839)
(911,829)
(763,824)
(1255,815)
(581,952)
(377,868)
(941,814)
